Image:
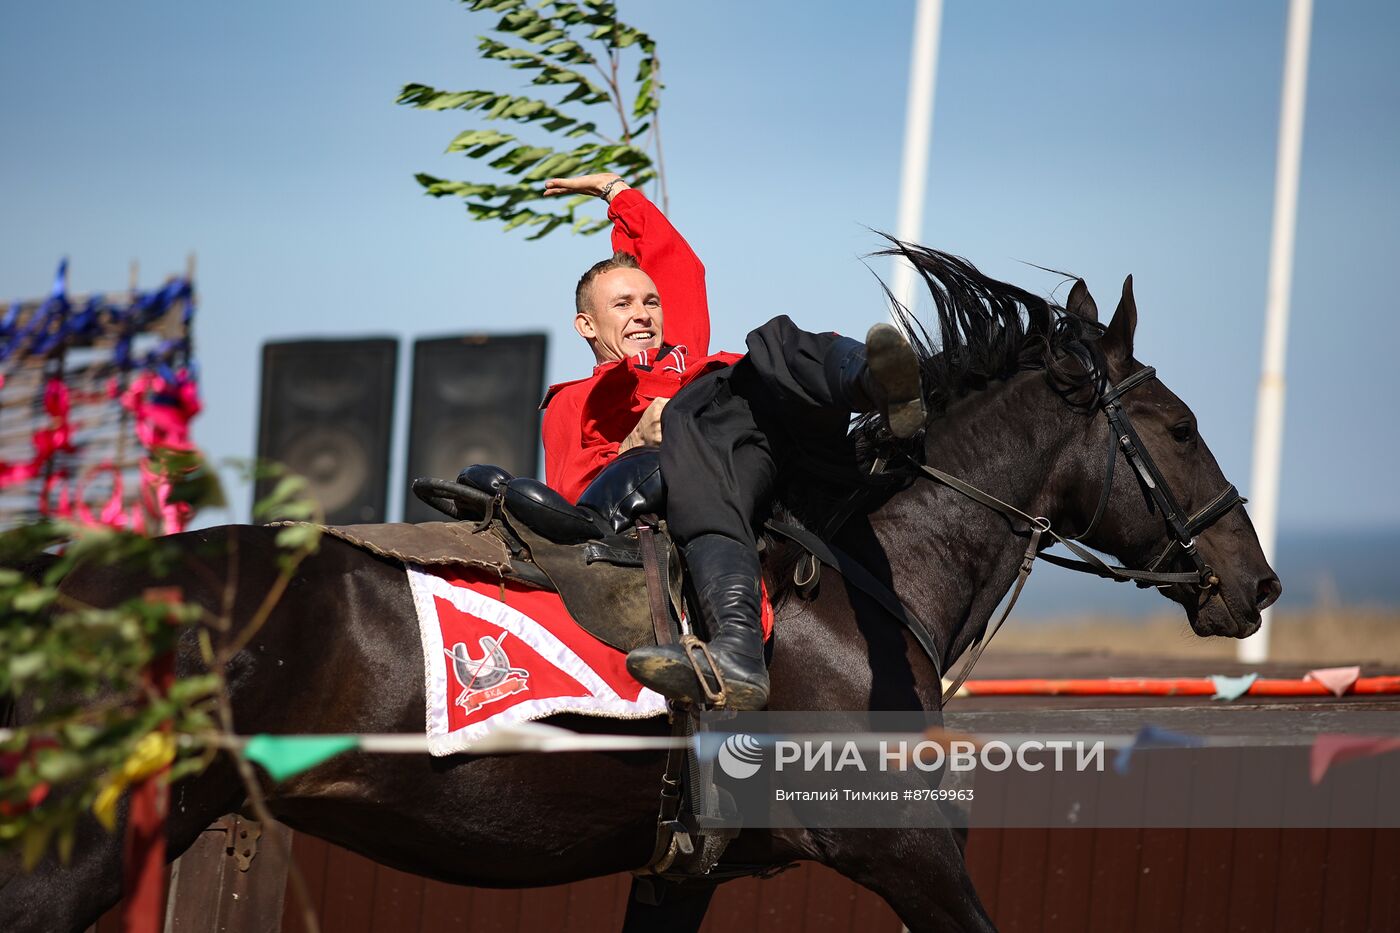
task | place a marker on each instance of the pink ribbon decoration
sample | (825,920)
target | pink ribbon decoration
(161,411)
(1329,749)
(56,438)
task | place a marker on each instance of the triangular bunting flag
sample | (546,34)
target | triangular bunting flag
(1231,688)
(1336,679)
(286,756)
(1329,750)
(1150,736)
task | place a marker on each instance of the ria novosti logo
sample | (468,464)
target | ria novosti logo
(740,756)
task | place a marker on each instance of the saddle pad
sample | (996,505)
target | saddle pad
(497,653)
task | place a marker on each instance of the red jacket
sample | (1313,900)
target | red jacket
(586,420)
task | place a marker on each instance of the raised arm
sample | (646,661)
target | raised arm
(641,229)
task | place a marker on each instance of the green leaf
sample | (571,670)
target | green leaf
(298,537)
(520,158)
(549,72)
(550,40)
(187,690)
(78,734)
(25,666)
(480,141)
(36,841)
(57,765)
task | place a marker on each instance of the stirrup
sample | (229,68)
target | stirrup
(691,645)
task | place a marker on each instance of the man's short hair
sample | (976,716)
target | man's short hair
(582,294)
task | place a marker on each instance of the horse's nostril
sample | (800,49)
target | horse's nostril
(1267,593)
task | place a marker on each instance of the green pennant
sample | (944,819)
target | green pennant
(286,756)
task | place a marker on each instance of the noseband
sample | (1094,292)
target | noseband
(1182,529)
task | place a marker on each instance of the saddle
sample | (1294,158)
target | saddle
(610,559)
(592,553)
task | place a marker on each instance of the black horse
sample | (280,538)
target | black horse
(1013,390)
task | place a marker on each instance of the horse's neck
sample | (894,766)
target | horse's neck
(952,559)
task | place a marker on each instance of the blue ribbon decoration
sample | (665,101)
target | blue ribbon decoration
(54,324)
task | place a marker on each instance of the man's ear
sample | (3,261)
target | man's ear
(583,323)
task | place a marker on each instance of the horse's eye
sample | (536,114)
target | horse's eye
(1184,431)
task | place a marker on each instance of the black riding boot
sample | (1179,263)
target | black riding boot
(880,375)
(726,577)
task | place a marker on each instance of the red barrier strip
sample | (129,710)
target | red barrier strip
(1169,686)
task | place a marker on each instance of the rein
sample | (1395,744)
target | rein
(1122,437)
(1183,529)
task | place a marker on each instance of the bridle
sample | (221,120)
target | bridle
(1182,528)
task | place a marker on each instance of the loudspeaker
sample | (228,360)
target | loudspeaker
(475,400)
(327,413)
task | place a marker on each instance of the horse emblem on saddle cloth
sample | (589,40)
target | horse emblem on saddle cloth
(486,679)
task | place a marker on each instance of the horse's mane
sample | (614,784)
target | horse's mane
(985,331)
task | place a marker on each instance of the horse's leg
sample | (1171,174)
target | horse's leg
(682,909)
(57,898)
(920,872)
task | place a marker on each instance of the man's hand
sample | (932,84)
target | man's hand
(586,184)
(647,433)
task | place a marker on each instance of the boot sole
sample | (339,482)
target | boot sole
(893,364)
(675,678)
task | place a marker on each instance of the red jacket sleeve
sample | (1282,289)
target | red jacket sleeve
(641,229)
(569,465)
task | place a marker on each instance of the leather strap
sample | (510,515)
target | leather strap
(654,565)
(856,575)
(1027,564)
(672,837)
(1088,562)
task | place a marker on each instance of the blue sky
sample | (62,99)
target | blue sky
(1101,138)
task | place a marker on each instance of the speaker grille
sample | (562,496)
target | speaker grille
(475,400)
(327,413)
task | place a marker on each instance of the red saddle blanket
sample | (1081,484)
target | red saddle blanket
(499,653)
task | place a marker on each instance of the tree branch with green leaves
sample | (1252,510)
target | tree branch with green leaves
(96,725)
(602,123)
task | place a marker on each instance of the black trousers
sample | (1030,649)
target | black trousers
(731,437)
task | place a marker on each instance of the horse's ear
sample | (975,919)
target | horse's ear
(1118,339)
(1081,303)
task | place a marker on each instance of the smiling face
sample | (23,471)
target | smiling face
(619,313)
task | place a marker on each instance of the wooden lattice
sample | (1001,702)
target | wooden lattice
(97,348)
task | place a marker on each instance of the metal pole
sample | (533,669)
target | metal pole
(1268,417)
(918,126)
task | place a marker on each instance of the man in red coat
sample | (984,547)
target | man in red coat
(642,356)
(727,436)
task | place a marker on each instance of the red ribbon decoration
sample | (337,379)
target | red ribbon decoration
(143,853)
(10,762)
(56,438)
(161,411)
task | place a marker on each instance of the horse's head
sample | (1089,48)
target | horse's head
(1237,582)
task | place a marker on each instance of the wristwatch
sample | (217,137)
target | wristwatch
(607,189)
